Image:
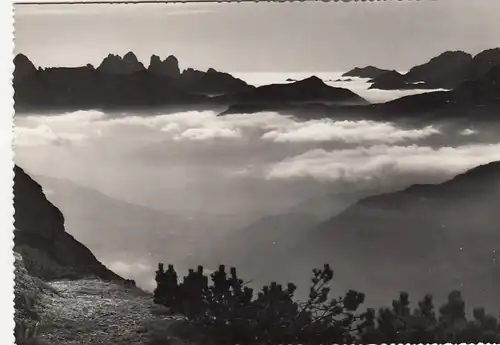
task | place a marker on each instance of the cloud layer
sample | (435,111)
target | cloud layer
(347,132)
(382,161)
(205,126)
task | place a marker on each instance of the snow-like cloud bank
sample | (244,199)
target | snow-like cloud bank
(347,132)
(206,126)
(44,135)
(381,161)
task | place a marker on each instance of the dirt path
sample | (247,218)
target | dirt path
(94,312)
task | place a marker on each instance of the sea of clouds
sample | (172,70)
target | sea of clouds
(253,164)
(321,149)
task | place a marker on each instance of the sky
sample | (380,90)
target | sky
(263,37)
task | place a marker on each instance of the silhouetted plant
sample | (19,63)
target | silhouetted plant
(227,312)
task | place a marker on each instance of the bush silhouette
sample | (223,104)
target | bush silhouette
(227,312)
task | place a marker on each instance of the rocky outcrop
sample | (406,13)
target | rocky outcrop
(167,68)
(114,64)
(370,72)
(23,68)
(48,251)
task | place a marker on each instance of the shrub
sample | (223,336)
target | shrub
(228,312)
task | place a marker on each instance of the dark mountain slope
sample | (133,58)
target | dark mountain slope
(447,70)
(48,250)
(432,237)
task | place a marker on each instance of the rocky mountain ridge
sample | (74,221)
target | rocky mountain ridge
(445,71)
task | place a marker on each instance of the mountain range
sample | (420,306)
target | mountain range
(445,71)
(124,83)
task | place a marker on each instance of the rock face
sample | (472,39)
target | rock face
(365,72)
(48,251)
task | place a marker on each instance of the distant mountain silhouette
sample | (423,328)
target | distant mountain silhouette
(283,96)
(124,83)
(471,101)
(475,99)
(49,252)
(445,71)
(370,72)
(118,83)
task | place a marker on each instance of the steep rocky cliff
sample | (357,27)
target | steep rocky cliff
(48,251)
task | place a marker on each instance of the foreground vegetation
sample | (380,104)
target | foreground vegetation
(224,311)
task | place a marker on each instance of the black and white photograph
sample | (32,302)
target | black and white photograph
(256,173)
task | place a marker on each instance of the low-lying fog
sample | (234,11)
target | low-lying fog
(210,175)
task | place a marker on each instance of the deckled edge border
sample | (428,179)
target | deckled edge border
(6,173)
(7,155)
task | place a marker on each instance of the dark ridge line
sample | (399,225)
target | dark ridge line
(39,3)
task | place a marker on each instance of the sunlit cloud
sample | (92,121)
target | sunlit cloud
(366,163)
(347,132)
(206,125)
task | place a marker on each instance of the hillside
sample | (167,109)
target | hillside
(423,238)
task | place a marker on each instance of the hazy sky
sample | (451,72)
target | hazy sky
(260,37)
